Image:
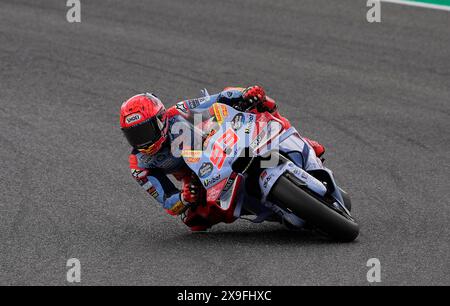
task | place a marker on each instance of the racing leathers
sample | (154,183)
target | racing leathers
(152,171)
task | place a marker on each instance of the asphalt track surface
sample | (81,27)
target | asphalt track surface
(376,95)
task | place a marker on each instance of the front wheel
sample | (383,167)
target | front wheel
(288,195)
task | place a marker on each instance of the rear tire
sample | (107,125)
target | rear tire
(289,196)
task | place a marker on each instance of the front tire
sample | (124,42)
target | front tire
(288,195)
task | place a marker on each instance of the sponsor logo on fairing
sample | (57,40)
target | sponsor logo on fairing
(208,138)
(258,140)
(181,107)
(300,173)
(211,181)
(271,130)
(237,122)
(191,156)
(229,183)
(251,118)
(195,102)
(220,112)
(205,170)
(267,180)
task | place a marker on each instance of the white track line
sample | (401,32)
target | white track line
(419,4)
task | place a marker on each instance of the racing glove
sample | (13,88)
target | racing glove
(253,96)
(190,192)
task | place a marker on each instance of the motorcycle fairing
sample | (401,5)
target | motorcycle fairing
(291,142)
(269,177)
(236,131)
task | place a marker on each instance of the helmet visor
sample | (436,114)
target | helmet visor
(144,134)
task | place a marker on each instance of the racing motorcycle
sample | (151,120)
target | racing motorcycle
(257,167)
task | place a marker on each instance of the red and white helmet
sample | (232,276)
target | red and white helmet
(144,122)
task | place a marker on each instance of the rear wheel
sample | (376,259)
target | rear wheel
(336,224)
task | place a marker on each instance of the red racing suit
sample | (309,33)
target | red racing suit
(152,171)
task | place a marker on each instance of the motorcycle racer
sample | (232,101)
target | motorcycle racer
(146,124)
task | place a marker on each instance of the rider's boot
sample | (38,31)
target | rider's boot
(318,148)
(196,220)
(199,228)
